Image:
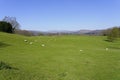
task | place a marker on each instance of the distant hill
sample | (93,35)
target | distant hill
(81,32)
(95,32)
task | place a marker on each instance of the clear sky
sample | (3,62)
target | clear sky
(45,15)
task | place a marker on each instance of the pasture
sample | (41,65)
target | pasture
(59,58)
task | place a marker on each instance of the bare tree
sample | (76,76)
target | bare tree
(12,21)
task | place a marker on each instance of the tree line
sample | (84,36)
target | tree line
(112,33)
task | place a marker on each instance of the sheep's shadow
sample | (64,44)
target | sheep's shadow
(2,44)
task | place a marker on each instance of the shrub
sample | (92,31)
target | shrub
(4,65)
(6,27)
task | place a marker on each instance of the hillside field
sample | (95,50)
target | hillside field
(59,58)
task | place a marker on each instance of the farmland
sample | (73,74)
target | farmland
(69,57)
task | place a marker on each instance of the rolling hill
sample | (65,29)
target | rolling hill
(69,57)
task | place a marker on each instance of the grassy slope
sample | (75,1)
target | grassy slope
(60,58)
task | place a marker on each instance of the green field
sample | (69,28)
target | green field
(59,58)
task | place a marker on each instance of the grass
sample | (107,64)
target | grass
(60,58)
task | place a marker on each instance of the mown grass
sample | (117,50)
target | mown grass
(60,58)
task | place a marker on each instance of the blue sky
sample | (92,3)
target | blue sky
(45,15)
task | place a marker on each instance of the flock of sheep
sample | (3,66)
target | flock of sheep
(44,45)
(32,42)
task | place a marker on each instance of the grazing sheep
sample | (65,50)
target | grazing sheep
(25,40)
(81,50)
(106,49)
(43,45)
(31,42)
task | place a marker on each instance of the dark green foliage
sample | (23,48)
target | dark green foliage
(4,65)
(113,34)
(6,27)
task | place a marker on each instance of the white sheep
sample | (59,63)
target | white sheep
(43,45)
(106,49)
(25,40)
(31,42)
(81,50)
